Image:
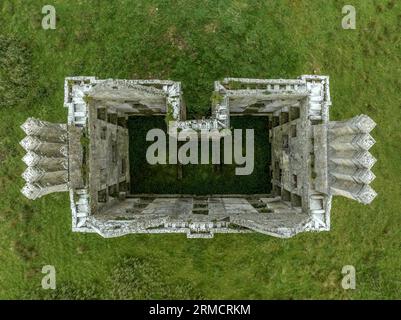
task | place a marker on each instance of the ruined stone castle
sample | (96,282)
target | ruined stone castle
(312,158)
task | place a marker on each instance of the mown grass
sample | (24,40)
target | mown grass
(197,42)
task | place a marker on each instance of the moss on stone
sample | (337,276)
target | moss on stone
(169,114)
(88,99)
(216,98)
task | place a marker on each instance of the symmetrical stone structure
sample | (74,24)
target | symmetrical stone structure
(46,158)
(312,158)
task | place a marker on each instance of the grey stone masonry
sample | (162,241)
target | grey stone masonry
(46,146)
(350,162)
(312,158)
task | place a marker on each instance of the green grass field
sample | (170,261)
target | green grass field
(197,42)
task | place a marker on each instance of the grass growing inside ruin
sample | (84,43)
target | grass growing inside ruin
(197,42)
(199,179)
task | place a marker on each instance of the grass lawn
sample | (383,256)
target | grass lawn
(201,179)
(197,42)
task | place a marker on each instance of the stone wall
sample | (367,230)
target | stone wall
(312,158)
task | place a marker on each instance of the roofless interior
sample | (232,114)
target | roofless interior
(198,179)
(301,158)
